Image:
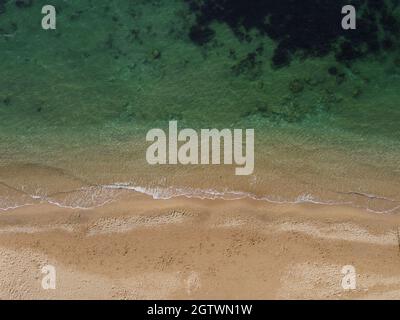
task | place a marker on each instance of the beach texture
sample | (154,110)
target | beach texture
(139,248)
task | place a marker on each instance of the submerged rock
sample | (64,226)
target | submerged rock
(23,3)
(356,92)
(201,34)
(333,71)
(296,86)
(155,54)
(2,6)
(7,101)
(248,65)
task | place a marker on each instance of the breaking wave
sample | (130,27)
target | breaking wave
(92,197)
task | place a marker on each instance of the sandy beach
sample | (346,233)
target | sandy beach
(140,248)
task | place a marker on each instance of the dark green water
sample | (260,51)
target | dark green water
(81,98)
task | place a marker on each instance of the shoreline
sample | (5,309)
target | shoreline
(140,248)
(118,190)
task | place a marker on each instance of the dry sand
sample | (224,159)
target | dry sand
(140,248)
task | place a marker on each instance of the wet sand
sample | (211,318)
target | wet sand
(140,248)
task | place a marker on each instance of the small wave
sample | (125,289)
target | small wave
(15,207)
(165,193)
(85,198)
(91,197)
(160,193)
(82,199)
(369,196)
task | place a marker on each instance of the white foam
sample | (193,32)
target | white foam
(15,207)
(97,196)
(212,194)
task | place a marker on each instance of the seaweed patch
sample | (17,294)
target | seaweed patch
(308,28)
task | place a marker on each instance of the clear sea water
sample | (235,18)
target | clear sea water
(76,103)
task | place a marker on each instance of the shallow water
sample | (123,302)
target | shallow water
(76,103)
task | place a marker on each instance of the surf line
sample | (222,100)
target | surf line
(189,147)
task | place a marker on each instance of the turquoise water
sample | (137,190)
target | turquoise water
(81,98)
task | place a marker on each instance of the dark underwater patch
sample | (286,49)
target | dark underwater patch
(23,3)
(308,28)
(2,6)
